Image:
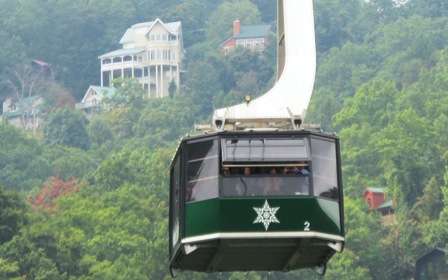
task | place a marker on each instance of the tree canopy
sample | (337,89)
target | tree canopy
(88,198)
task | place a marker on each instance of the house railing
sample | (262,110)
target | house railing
(88,105)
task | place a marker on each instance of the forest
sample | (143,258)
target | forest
(86,199)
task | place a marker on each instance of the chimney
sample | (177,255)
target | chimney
(236,27)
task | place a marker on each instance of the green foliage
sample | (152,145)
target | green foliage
(338,22)
(66,127)
(221,21)
(381,84)
(203,84)
(12,214)
(99,131)
(128,94)
(18,155)
(346,266)
(163,121)
(429,8)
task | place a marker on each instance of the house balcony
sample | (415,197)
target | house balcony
(87,105)
(122,65)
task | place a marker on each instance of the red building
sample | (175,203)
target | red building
(376,200)
(374,197)
(253,37)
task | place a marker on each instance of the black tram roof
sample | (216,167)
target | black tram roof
(256,133)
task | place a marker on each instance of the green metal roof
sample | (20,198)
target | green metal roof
(376,190)
(22,106)
(121,52)
(386,204)
(253,31)
(106,91)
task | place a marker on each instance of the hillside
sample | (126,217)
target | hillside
(88,200)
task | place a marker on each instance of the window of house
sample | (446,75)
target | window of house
(166,54)
(240,42)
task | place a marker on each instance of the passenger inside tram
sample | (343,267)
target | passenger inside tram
(265,181)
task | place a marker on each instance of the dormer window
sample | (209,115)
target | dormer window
(13,108)
(158,37)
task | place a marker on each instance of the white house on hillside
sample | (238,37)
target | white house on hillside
(93,100)
(152,53)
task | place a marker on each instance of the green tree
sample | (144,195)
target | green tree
(429,8)
(129,165)
(12,214)
(17,155)
(221,21)
(165,120)
(407,152)
(67,127)
(127,103)
(203,85)
(337,22)
(362,120)
(436,231)
(99,131)
(92,28)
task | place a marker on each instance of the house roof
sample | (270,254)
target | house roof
(121,52)
(128,36)
(22,106)
(387,204)
(172,27)
(433,251)
(104,91)
(253,31)
(41,63)
(375,190)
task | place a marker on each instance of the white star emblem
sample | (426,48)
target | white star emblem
(266,215)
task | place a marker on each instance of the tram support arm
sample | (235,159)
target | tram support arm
(187,248)
(337,246)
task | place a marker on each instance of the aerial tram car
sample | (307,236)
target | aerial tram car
(261,191)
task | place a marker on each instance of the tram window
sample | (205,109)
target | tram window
(264,150)
(202,170)
(265,181)
(325,181)
(175,194)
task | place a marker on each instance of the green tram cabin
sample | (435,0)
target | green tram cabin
(255,201)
